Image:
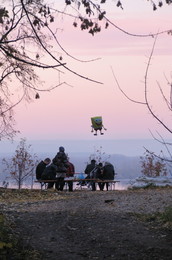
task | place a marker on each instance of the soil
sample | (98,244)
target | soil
(92,225)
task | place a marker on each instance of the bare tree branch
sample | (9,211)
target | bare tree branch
(146,86)
(130,99)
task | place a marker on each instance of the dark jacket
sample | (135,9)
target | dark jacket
(61,161)
(89,168)
(108,172)
(49,172)
(99,172)
(60,157)
(39,169)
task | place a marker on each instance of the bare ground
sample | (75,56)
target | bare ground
(91,225)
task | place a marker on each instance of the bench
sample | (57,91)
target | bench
(96,181)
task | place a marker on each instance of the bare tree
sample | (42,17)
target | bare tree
(99,155)
(22,165)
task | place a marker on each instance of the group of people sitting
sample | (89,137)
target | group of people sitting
(99,171)
(57,169)
(60,167)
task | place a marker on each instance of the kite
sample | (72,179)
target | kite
(97,124)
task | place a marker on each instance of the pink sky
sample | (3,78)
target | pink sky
(65,113)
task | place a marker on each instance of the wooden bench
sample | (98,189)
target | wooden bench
(80,181)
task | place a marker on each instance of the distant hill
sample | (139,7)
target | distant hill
(123,154)
(128,147)
(126,167)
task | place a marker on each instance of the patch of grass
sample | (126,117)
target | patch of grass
(147,186)
(6,243)
(27,195)
(150,186)
(162,219)
(146,217)
(11,246)
(166,216)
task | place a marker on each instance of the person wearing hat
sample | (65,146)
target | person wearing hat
(60,157)
(61,161)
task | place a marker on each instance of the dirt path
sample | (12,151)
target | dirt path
(93,226)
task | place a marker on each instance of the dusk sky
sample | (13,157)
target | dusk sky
(65,112)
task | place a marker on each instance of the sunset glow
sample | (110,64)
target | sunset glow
(65,112)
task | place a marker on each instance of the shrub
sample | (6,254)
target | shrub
(153,166)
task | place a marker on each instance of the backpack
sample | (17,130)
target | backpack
(49,173)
